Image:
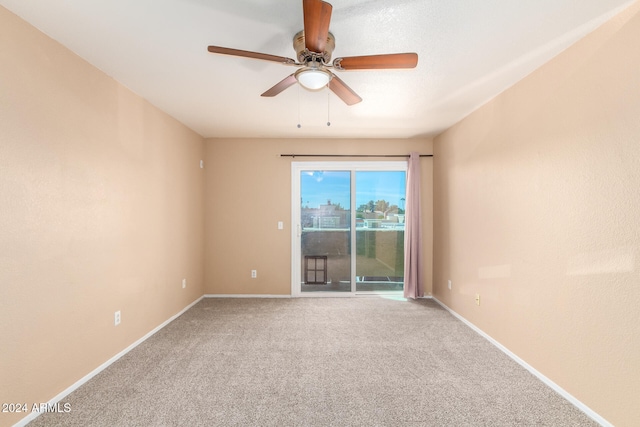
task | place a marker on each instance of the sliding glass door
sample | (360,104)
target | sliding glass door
(349,227)
(325,230)
(379,233)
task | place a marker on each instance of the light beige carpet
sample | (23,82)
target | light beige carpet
(315,362)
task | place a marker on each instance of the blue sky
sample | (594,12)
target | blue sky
(319,186)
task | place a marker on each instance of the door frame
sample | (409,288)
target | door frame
(296,229)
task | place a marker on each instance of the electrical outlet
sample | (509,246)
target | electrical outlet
(184,283)
(254,274)
(116,318)
(477,299)
(449,284)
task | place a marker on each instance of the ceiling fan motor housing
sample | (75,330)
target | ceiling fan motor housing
(305,56)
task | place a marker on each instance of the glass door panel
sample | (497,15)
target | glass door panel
(325,231)
(380,197)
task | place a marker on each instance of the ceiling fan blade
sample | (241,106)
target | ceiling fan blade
(377,62)
(281,86)
(343,91)
(317,16)
(248,54)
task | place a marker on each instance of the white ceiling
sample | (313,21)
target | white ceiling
(469,51)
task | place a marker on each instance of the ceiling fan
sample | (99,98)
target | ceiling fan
(313,46)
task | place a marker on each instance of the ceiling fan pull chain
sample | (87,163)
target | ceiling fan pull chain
(299,125)
(328,109)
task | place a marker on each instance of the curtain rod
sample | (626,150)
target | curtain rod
(352,155)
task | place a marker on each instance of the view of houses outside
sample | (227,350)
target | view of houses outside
(326,229)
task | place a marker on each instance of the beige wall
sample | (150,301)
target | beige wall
(248,189)
(536,208)
(101,199)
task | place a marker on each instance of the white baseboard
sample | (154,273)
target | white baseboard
(562,392)
(246,296)
(81,381)
(311,295)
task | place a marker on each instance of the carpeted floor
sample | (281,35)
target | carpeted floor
(315,362)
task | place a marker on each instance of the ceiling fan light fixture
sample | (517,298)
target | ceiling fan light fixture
(313,78)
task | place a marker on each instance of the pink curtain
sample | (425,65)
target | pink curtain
(413,232)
